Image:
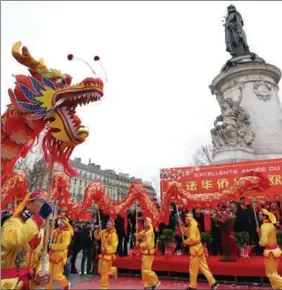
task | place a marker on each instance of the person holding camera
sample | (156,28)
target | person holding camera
(21,244)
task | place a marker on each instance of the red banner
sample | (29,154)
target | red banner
(214,178)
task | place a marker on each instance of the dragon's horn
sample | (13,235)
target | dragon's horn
(26,59)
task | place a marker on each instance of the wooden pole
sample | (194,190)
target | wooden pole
(136,225)
(255,214)
(99,218)
(15,204)
(54,217)
(182,234)
(47,222)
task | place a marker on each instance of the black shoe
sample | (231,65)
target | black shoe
(215,286)
(156,286)
(74,271)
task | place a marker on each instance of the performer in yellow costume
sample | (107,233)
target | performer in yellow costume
(109,243)
(272,251)
(58,253)
(21,244)
(197,254)
(147,245)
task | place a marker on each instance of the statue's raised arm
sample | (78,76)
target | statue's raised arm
(235,38)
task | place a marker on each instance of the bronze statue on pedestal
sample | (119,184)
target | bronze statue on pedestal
(235,38)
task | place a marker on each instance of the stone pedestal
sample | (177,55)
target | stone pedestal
(250,126)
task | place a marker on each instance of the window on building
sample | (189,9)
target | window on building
(80,182)
(85,183)
(75,181)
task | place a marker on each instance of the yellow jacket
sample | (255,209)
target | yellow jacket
(268,240)
(21,245)
(148,241)
(193,239)
(109,242)
(59,248)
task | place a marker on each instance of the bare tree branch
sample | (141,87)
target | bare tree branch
(156,184)
(203,155)
(27,164)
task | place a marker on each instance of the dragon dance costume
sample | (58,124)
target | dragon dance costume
(149,277)
(21,245)
(109,243)
(44,100)
(197,254)
(272,252)
(58,254)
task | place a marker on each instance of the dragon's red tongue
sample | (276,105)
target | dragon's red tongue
(76,120)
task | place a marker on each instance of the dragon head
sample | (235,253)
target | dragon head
(47,96)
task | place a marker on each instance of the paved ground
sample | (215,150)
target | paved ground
(77,279)
(92,282)
(136,283)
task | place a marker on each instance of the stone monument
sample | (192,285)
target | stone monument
(250,124)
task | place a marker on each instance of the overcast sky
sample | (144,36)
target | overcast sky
(160,58)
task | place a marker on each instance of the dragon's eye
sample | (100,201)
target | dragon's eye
(60,82)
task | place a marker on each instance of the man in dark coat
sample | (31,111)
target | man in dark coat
(122,237)
(242,223)
(87,241)
(75,246)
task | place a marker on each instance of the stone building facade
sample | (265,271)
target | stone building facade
(116,184)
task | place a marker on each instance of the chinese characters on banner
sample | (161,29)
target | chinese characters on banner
(214,178)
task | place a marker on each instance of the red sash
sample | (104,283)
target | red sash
(195,244)
(16,273)
(271,248)
(24,275)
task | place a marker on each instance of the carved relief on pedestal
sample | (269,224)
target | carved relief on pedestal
(262,90)
(232,126)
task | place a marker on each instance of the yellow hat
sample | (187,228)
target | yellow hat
(270,215)
(189,215)
(38,194)
(67,224)
(149,220)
